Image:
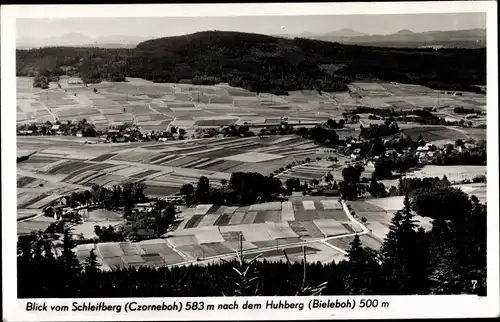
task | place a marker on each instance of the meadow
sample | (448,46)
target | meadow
(156,106)
(209,232)
(63,164)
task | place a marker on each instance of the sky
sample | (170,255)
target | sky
(291,25)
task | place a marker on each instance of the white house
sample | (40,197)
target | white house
(421,155)
(370,164)
(355,156)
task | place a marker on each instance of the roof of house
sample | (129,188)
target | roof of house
(145,232)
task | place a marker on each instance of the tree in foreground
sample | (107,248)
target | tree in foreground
(363,270)
(458,251)
(91,263)
(404,252)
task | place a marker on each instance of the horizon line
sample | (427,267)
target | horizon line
(247,32)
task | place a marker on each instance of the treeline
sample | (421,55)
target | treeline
(463,110)
(140,224)
(262,63)
(320,134)
(93,65)
(85,128)
(421,116)
(124,195)
(243,188)
(443,260)
(149,221)
(379,130)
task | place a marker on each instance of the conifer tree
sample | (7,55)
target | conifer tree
(405,266)
(441,275)
(68,259)
(91,263)
(467,252)
(24,249)
(38,245)
(362,270)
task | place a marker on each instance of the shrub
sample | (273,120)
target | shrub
(479,179)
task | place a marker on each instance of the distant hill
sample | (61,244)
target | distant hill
(80,40)
(469,38)
(404,32)
(339,33)
(262,63)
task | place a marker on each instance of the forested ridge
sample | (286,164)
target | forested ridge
(261,63)
(448,259)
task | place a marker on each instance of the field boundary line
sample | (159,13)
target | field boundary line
(175,249)
(333,247)
(351,217)
(48,110)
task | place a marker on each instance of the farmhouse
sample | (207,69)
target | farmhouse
(55,128)
(426,147)
(356,154)
(145,233)
(370,163)
(74,81)
(325,192)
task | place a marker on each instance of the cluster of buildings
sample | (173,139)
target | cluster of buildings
(426,154)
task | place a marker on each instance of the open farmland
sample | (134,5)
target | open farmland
(209,232)
(378,213)
(155,106)
(476,189)
(434,133)
(63,164)
(453,173)
(60,165)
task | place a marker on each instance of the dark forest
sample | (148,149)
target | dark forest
(260,63)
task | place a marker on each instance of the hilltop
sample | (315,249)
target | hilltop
(405,38)
(262,63)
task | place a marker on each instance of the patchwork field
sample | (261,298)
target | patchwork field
(379,212)
(434,133)
(476,189)
(59,165)
(210,232)
(453,173)
(154,106)
(309,172)
(68,163)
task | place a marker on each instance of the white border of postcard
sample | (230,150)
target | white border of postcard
(400,306)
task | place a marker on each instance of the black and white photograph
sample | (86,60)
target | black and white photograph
(327,155)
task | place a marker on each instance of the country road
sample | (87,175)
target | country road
(303,243)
